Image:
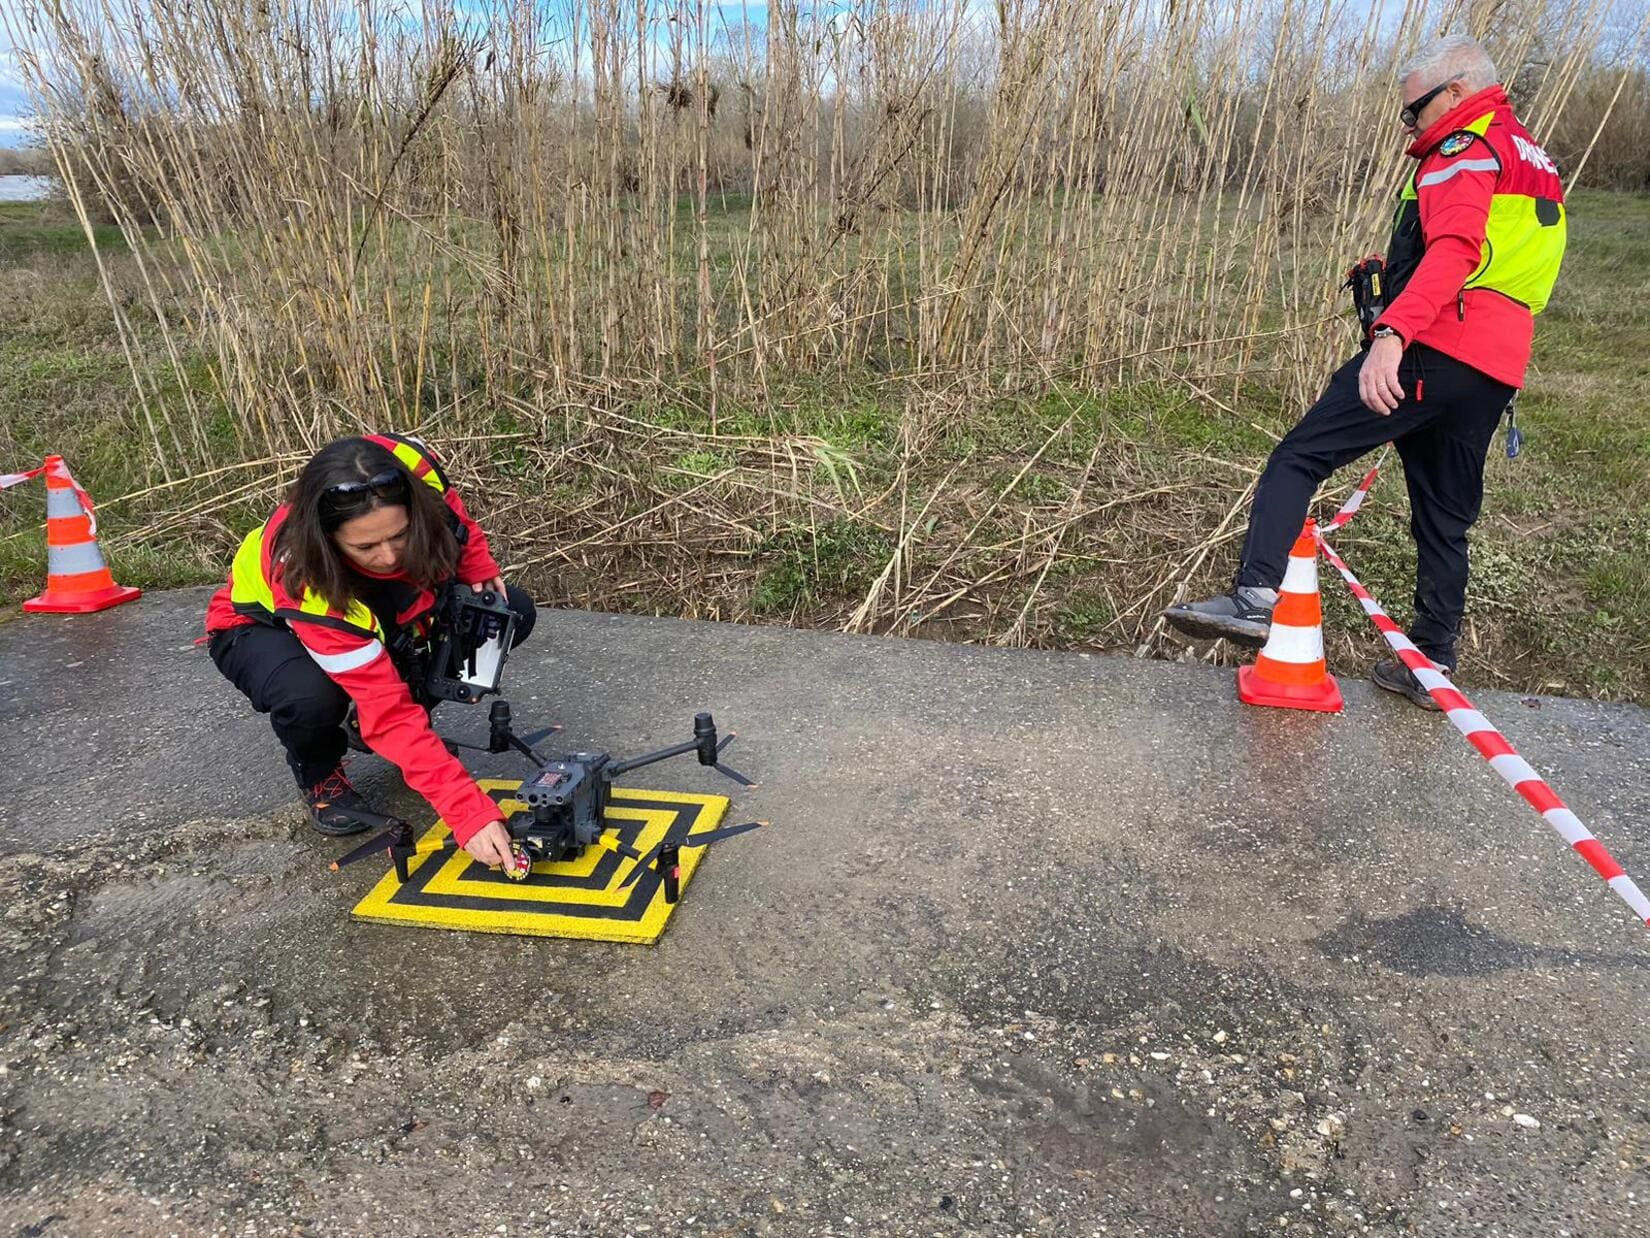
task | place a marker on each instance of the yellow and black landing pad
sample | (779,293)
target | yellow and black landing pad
(582,898)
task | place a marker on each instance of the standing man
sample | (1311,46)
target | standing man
(1475,250)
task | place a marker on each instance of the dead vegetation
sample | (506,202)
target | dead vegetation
(930,319)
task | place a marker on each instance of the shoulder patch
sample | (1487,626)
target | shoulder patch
(1455,144)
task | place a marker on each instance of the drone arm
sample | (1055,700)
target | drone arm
(526,750)
(676,750)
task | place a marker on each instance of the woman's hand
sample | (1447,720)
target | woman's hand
(496,584)
(491,845)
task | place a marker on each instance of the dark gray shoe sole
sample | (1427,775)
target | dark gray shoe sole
(1404,687)
(337,829)
(1212,627)
(340,831)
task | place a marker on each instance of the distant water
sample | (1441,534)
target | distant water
(25,188)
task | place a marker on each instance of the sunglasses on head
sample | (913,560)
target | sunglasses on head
(1412,111)
(389,486)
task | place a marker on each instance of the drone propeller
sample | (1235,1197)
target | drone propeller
(646,860)
(722,832)
(395,830)
(383,843)
(521,745)
(723,769)
(502,738)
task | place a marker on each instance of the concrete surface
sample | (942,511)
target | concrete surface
(1038,943)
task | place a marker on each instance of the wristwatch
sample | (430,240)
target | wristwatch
(1381,333)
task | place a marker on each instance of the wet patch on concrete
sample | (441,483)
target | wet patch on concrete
(1439,941)
(197,1038)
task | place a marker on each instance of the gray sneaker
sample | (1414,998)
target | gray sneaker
(1243,615)
(1394,676)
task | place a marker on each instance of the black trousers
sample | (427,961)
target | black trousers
(1442,438)
(271,669)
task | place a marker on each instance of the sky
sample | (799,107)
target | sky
(14,102)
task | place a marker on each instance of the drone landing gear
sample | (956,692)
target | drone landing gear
(396,840)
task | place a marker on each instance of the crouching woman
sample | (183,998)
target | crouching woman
(348,569)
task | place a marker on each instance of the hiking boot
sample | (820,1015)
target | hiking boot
(334,805)
(1394,676)
(1244,615)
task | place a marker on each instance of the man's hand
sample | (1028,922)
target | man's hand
(1378,385)
(491,845)
(496,584)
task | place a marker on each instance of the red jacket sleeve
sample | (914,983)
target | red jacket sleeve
(475,561)
(1455,193)
(396,728)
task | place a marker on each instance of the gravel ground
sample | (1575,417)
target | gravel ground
(1037,944)
(197,1041)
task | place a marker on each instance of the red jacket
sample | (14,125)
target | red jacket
(392,723)
(1471,257)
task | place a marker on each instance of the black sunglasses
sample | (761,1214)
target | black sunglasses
(1412,111)
(390,486)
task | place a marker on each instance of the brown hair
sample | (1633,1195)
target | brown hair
(305,547)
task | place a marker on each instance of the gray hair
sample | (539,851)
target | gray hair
(1456,55)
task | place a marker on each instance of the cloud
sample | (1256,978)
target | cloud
(14,100)
(10,74)
(11,79)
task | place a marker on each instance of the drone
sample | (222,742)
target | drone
(567,796)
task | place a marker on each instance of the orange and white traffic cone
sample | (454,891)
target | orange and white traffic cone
(77,580)
(1290,672)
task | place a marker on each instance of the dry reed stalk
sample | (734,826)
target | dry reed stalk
(920,185)
(617,226)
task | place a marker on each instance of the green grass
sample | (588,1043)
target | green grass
(28,229)
(801,567)
(67,389)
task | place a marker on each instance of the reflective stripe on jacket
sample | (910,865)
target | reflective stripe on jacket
(1477,240)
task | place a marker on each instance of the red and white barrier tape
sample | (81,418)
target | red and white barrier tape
(62,470)
(1492,745)
(1350,508)
(59,470)
(8,480)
